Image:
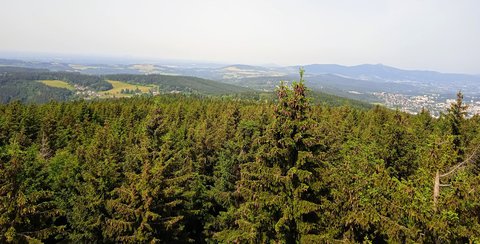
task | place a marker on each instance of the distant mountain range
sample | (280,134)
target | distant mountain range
(359,82)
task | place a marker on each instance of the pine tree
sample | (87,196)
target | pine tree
(397,140)
(456,117)
(99,168)
(28,211)
(280,188)
(154,202)
(131,209)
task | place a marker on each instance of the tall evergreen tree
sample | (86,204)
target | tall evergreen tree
(280,189)
(456,116)
(28,211)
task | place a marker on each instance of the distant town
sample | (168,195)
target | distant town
(434,103)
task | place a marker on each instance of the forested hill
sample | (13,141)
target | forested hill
(40,85)
(37,85)
(181,83)
(178,169)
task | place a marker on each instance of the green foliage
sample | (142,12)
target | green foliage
(41,86)
(456,116)
(177,169)
(27,91)
(185,84)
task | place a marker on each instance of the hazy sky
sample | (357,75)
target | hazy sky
(441,35)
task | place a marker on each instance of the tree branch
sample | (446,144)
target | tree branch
(471,157)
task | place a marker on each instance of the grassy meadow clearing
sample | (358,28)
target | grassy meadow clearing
(57,84)
(118,86)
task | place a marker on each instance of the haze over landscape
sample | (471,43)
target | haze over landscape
(436,35)
(256,44)
(223,121)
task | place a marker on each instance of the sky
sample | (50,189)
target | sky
(442,35)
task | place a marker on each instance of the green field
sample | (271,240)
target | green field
(118,86)
(57,84)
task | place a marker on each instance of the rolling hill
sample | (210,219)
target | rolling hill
(40,85)
(409,90)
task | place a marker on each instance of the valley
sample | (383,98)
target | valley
(406,90)
(285,122)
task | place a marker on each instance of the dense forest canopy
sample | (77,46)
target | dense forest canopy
(173,168)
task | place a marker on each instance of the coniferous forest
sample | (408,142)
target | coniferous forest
(179,169)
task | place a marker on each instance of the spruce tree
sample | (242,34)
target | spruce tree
(28,211)
(456,117)
(280,189)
